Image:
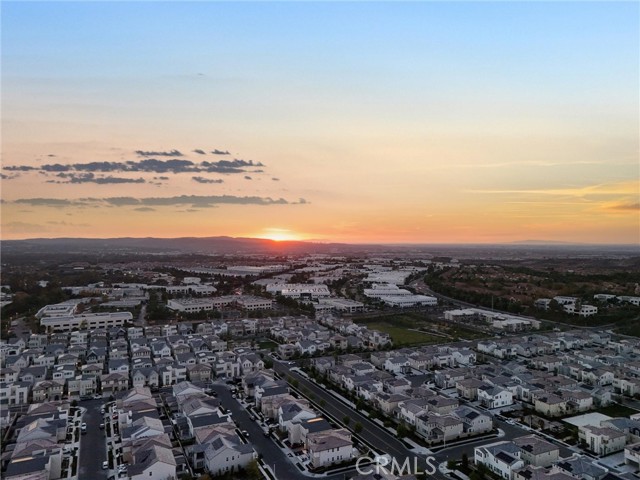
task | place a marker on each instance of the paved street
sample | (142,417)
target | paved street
(92,444)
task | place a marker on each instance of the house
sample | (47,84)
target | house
(82,386)
(550,404)
(145,377)
(64,372)
(290,413)
(438,428)
(199,373)
(580,467)
(250,362)
(536,451)
(114,382)
(184,390)
(501,458)
(409,409)
(143,427)
(441,405)
(602,440)
(632,455)
(387,402)
(468,388)
(226,453)
(48,390)
(329,447)
(494,397)
(397,364)
(307,427)
(14,393)
(473,421)
(152,461)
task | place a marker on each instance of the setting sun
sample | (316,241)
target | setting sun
(279,235)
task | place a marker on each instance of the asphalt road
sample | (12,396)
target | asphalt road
(93,450)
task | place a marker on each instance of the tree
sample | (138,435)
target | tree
(346,419)
(253,470)
(465,461)
(357,428)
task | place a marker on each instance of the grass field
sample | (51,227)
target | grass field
(267,344)
(402,336)
(617,410)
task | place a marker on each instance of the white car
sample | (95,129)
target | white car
(105,465)
(122,468)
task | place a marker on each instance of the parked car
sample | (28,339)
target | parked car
(105,465)
(83,427)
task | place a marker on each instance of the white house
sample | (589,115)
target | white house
(501,458)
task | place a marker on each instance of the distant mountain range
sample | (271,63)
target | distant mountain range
(208,245)
(229,245)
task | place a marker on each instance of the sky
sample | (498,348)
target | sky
(359,122)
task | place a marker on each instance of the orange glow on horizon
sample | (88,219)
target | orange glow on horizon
(279,235)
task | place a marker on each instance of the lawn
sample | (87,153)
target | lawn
(617,410)
(402,336)
(267,344)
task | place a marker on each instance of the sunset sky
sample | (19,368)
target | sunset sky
(417,122)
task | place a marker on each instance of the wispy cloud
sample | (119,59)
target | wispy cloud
(207,180)
(605,189)
(92,178)
(623,207)
(149,165)
(199,151)
(220,152)
(152,153)
(195,201)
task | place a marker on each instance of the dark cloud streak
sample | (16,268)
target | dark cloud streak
(171,153)
(194,201)
(207,180)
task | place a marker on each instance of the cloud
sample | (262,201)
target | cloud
(220,152)
(19,168)
(247,177)
(597,190)
(229,166)
(24,227)
(145,209)
(47,202)
(68,224)
(91,178)
(623,207)
(207,180)
(199,151)
(194,201)
(149,165)
(9,177)
(171,153)
(51,155)
(275,179)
